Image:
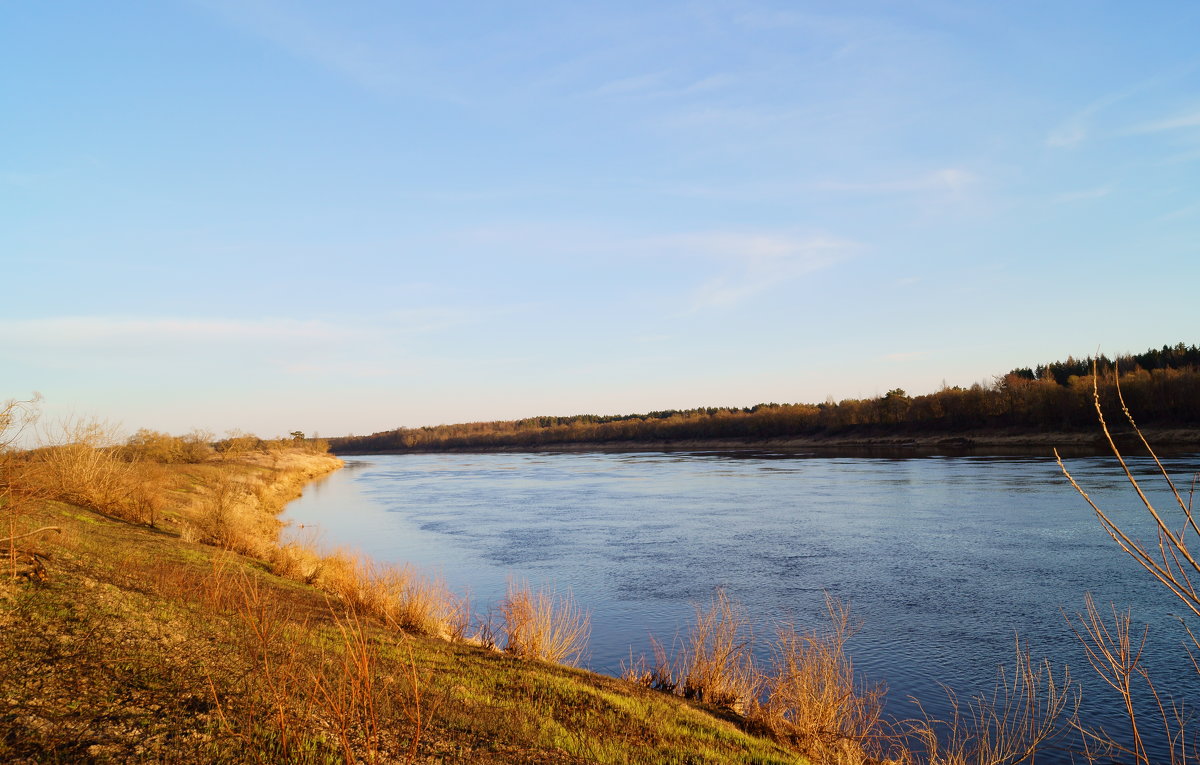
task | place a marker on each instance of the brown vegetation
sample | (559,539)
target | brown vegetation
(1114,647)
(544,625)
(384,664)
(1164,385)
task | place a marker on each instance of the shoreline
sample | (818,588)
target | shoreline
(982,443)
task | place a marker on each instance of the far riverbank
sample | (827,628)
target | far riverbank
(1000,442)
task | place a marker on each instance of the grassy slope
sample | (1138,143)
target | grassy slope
(143,647)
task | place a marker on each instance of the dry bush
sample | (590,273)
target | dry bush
(400,596)
(813,700)
(1115,651)
(153,446)
(713,663)
(82,466)
(658,674)
(229,518)
(425,604)
(19,492)
(1026,712)
(148,495)
(1170,559)
(295,561)
(717,661)
(237,443)
(196,446)
(544,625)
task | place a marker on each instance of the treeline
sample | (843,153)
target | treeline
(1161,387)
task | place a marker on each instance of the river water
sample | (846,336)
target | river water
(944,560)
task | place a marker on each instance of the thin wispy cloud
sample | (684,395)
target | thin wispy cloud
(1179,122)
(1098,192)
(906,356)
(753,263)
(1077,128)
(1189,211)
(950,179)
(663,85)
(639,83)
(359,59)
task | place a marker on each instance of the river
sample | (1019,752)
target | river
(945,560)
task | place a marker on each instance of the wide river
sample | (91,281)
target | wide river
(945,560)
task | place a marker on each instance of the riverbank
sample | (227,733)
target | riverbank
(1006,442)
(126,640)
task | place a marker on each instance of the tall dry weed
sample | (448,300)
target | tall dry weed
(79,463)
(543,624)
(399,596)
(717,661)
(1028,710)
(812,698)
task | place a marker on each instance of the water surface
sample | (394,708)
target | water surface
(945,560)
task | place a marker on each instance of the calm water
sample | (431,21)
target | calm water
(944,559)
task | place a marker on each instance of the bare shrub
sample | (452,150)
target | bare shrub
(657,674)
(717,661)
(82,465)
(227,518)
(196,446)
(1115,653)
(236,444)
(813,700)
(148,496)
(543,624)
(1026,712)
(400,596)
(19,492)
(153,446)
(295,561)
(1171,560)
(1115,650)
(17,416)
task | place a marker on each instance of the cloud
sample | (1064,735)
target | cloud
(754,262)
(1181,122)
(1077,128)
(1183,212)
(325,41)
(659,85)
(639,83)
(951,179)
(1078,196)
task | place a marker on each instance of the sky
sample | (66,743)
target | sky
(349,217)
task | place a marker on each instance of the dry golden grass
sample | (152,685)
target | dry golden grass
(714,662)
(717,662)
(544,625)
(812,698)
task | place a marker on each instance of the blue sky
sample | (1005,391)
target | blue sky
(346,217)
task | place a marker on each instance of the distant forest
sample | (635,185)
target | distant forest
(1161,387)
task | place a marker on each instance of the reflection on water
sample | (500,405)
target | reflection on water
(944,559)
